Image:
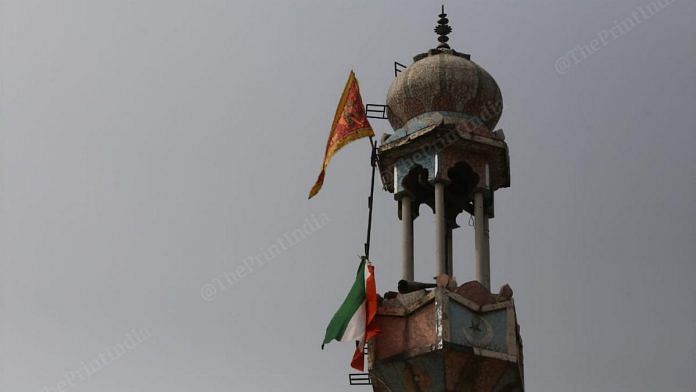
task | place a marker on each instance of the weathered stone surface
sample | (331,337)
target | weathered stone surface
(442,340)
(476,292)
(444,81)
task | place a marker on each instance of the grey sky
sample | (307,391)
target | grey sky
(148,147)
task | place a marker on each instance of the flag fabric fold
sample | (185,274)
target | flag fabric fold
(350,123)
(354,320)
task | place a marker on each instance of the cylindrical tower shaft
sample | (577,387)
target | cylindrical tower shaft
(407,238)
(440,228)
(483,266)
(450,247)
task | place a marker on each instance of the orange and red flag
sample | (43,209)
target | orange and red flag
(349,124)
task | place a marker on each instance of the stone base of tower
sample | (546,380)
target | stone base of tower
(464,339)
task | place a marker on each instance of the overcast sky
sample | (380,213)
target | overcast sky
(147,148)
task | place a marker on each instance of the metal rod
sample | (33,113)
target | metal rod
(373,162)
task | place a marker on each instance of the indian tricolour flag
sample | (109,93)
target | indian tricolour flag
(354,320)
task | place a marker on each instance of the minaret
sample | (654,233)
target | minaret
(445,153)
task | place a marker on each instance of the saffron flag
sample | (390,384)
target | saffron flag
(349,124)
(354,320)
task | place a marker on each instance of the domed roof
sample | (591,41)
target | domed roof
(443,80)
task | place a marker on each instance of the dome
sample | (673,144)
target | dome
(443,80)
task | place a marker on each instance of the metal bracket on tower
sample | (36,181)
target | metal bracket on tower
(359,379)
(380,112)
(398,67)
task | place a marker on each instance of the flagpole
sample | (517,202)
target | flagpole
(373,162)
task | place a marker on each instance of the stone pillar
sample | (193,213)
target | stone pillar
(450,259)
(483,266)
(406,238)
(440,228)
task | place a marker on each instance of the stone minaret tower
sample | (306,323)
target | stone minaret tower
(446,153)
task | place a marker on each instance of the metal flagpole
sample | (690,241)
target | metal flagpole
(373,162)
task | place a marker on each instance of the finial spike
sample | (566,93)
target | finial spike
(443,29)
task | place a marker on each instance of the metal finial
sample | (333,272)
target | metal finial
(443,29)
